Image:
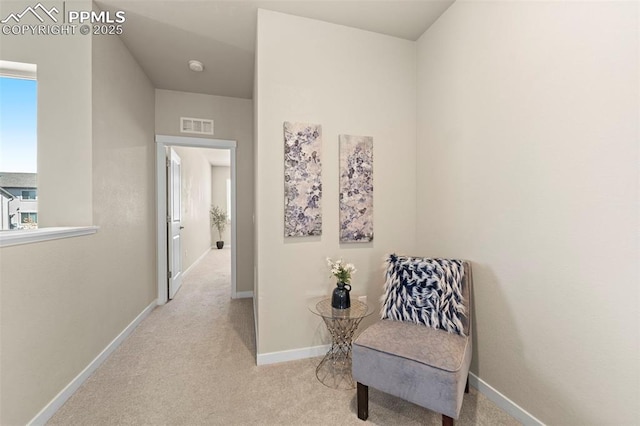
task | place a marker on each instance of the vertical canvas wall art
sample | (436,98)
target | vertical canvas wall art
(302,179)
(356,189)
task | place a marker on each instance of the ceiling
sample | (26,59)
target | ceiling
(164,35)
(215,157)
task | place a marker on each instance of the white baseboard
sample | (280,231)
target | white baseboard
(483,387)
(50,409)
(262,359)
(292,355)
(243,295)
(503,402)
(184,274)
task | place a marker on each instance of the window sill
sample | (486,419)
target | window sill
(14,238)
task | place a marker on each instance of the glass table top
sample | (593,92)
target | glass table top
(358,309)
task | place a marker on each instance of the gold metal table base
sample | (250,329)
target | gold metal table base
(334,370)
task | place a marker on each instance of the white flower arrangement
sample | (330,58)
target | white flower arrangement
(342,271)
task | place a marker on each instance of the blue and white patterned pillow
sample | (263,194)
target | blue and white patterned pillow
(424,291)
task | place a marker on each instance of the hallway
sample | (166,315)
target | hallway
(166,371)
(192,361)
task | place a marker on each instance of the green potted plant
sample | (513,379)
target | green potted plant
(219,220)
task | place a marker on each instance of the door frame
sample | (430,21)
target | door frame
(162,142)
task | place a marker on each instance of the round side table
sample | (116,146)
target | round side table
(334,370)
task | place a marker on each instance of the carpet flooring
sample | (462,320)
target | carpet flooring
(192,362)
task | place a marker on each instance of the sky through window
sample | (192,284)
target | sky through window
(18,125)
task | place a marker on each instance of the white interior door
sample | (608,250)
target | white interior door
(174,223)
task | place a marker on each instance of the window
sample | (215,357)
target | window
(29,218)
(18,145)
(18,160)
(29,195)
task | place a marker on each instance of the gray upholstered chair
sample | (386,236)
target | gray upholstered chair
(426,366)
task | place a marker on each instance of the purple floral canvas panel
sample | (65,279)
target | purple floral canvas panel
(356,189)
(302,179)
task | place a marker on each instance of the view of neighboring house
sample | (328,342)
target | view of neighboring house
(19,201)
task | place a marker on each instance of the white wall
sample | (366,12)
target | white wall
(528,166)
(233,119)
(62,302)
(64,116)
(219,176)
(196,201)
(349,81)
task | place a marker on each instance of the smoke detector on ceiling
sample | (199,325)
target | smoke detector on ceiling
(196,66)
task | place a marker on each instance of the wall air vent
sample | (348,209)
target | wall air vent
(198,126)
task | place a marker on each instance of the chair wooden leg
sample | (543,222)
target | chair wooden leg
(466,387)
(363,401)
(447,421)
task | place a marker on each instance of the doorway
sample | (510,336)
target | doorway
(164,216)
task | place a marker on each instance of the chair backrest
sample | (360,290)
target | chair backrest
(467,293)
